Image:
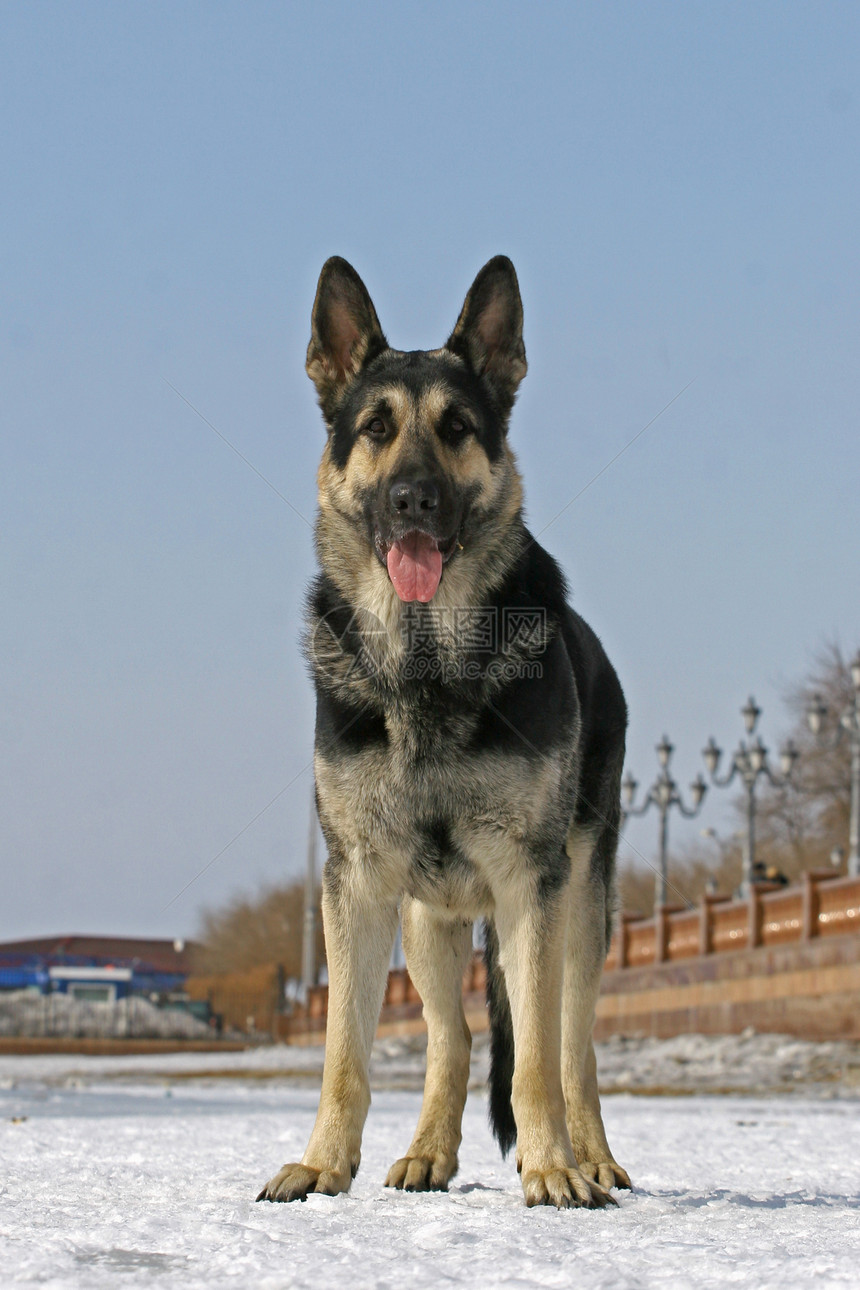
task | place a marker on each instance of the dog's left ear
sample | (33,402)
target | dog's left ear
(345,333)
(489,331)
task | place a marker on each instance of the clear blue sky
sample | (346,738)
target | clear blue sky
(677,185)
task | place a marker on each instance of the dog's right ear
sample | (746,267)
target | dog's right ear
(345,333)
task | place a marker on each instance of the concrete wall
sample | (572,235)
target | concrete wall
(811,990)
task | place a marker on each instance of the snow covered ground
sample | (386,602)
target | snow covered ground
(747,1063)
(127,1172)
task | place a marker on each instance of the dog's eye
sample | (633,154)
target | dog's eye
(375,428)
(458,426)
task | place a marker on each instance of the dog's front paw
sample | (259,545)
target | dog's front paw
(564,1188)
(422,1173)
(296,1182)
(606,1172)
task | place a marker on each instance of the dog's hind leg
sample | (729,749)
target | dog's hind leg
(531,923)
(360,924)
(586,951)
(437,951)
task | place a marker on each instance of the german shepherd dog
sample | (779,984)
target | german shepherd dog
(469,745)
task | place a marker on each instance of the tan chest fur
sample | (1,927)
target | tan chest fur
(384,804)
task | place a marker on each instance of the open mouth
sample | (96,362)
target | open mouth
(414,562)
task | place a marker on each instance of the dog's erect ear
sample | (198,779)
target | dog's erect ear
(345,333)
(489,331)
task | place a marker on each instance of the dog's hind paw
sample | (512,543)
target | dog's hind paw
(564,1188)
(606,1172)
(296,1182)
(422,1173)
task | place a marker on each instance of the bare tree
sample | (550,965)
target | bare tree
(694,870)
(256,931)
(800,826)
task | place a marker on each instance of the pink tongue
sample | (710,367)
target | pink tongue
(415,567)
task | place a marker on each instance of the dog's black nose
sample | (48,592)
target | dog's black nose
(414,497)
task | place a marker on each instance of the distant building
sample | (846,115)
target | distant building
(96,968)
(92,984)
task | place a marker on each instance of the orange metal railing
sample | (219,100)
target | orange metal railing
(819,906)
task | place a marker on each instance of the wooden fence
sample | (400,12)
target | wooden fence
(251,1002)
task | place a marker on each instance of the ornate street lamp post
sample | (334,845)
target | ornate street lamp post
(849,723)
(663,794)
(750,763)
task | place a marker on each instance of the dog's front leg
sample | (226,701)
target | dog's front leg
(531,927)
(437,952)
(359,933)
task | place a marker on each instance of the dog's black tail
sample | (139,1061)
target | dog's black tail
(501,1045)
